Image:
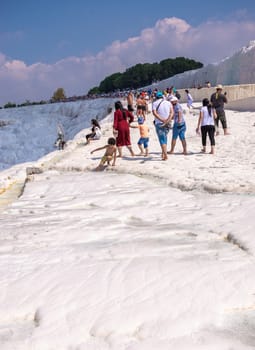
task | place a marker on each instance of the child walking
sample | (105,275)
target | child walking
(189,100)
(110,154)
(143,141)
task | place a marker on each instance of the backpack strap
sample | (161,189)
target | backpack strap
(159,104)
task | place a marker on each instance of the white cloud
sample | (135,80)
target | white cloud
(209,42)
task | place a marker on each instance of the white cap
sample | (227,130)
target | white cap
(173,98)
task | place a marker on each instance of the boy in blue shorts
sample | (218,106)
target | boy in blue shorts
(143,141)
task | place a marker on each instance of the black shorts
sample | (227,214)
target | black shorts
(142,107)
(90,136)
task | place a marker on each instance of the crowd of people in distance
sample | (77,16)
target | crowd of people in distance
(168,115)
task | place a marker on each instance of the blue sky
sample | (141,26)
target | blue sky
(39,38)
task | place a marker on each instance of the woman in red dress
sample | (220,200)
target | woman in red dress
(122,119)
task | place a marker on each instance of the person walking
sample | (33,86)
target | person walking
(189,99)
(130,101)
(122,119)
(206,119)
(179,127)
(141,104)
(218,99)
(143,141)
(163,113)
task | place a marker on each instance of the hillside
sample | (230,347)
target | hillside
(234,70)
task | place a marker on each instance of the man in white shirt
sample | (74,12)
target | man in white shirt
(163,113)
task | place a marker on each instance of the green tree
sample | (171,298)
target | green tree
(94,91)
(109,83)
(59,95)
(145,74)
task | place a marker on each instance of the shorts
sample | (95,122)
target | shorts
(105,159)
(143,141)
(162,134)
(179,131)
(91,135)
(141,107)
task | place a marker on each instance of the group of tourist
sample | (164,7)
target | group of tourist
(165,109)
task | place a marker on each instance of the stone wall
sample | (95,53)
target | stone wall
(240,97)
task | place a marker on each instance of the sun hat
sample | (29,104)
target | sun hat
(140,120)
(173,99)
(219,86)
(159,94)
